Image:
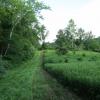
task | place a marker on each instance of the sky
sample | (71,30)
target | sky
(85,13)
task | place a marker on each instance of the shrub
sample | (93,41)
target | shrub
(60,60)
(84,55)
(49,61)
(79,59)
(61,51)
(94,58)
(66,60)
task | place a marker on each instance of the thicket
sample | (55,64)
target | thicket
(19,29)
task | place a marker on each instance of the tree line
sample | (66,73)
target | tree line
(73,38)
(19,30)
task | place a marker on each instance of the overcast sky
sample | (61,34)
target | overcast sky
(86,14)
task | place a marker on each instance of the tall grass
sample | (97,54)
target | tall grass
(18,82)
(82,76)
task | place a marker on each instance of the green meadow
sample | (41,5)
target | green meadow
(44,54)
(30,82)
(79,71)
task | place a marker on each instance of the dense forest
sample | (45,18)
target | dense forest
(33,69)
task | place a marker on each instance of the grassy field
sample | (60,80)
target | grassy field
(79,71)
(30,82)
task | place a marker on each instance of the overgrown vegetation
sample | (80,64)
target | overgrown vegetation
(19,30)
(17,83)
(81,73)
(72,59)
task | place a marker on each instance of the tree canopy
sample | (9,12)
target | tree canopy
(73,38)
(19,27)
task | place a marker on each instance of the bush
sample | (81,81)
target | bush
(20,50)
(84,55)
(49,61)
(60,60)
(94,58)
(66,60)
(52,60)
(79,59)
(97,50)
(61,51)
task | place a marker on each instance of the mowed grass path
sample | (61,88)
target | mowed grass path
(46,87)
(30,82)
